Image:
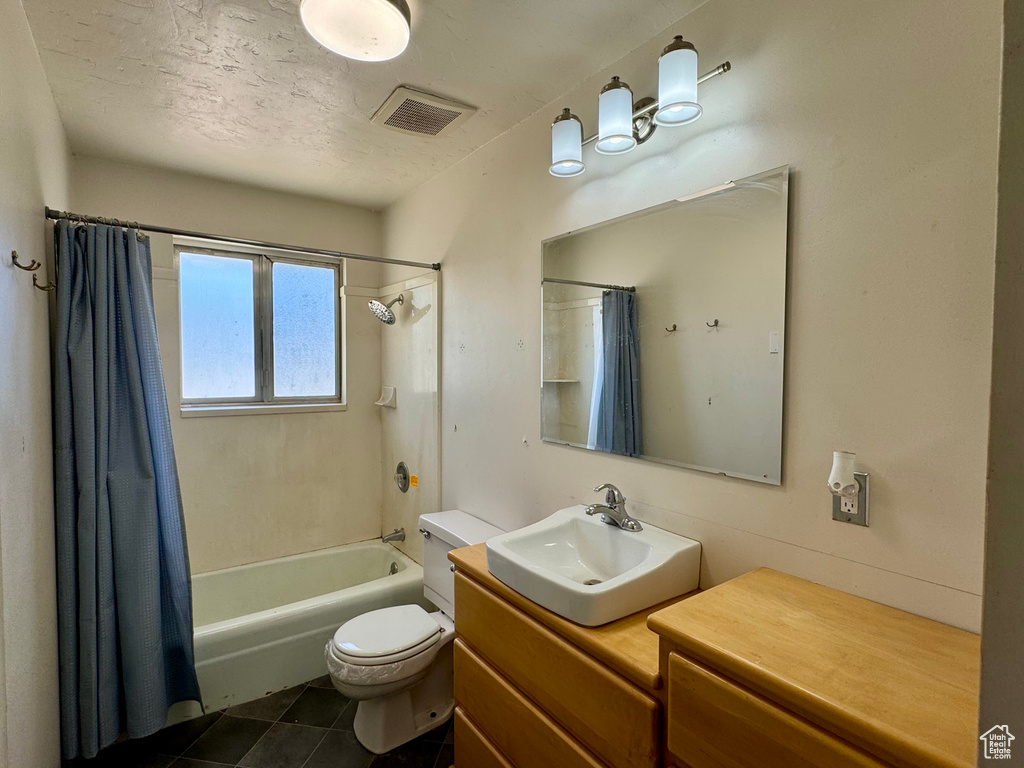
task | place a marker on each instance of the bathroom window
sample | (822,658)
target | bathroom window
(258,328)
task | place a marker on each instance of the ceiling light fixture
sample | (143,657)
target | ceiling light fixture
(567,145)
(624,124)
(364,30)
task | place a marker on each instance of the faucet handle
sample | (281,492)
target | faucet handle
(613,497)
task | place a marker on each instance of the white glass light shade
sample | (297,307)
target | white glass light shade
(567,146)
(615,119)
(365,30)
(677,85)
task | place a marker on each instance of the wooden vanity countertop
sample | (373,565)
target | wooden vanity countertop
(626,646)
(900,686)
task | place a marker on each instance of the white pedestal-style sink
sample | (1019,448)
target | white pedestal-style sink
(590,572)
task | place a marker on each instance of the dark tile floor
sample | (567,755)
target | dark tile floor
(309,726)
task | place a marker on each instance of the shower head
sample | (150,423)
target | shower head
(383,311)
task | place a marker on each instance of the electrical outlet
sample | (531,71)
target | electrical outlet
(854,511)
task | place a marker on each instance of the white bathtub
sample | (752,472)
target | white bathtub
(261,628)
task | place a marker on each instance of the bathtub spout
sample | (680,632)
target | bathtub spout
(396,535)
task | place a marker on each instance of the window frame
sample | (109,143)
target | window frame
(263,261)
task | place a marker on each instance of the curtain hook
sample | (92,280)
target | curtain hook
(31,267)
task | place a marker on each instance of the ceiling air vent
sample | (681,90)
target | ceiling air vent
(424,114)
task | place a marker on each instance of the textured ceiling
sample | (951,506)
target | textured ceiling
(238,90)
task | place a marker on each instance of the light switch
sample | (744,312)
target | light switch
(773,343)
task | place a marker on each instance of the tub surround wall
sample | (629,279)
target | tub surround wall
(572,315)
(890,265)
(409,432)
(33,171)
(263,486)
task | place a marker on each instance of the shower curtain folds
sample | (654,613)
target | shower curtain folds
(618,415)
(124,602)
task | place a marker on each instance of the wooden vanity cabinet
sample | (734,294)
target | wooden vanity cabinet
(510,723)
(714,723)
(764,671)
(474,749)
(528,696)
(772,671)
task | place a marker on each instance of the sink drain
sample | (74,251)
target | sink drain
(591,582)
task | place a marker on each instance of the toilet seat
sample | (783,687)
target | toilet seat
(385,636)
(369,678)
(376,661)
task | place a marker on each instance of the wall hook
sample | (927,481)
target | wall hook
(672,329)
(712,325)
(32,266)
(50,286)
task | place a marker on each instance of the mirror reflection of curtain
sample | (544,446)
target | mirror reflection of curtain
(618,417)
(595,396)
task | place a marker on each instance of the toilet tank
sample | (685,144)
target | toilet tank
(443,532)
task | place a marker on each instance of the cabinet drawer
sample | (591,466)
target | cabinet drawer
(472,750)
(513,724)
(714,723)
(615,719)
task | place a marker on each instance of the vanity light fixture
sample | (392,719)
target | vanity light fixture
(677,84)
(624,124)
(364,30)
(615,119)
(567,145)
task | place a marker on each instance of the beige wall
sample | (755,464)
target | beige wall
(263,486)
(891,266)
(33,172)
(1002,666)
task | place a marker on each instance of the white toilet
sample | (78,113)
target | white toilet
(397,662)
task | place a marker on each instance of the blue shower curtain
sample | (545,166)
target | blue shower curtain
(618,416)
(124,601)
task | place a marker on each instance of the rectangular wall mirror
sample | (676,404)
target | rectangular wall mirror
(664,332)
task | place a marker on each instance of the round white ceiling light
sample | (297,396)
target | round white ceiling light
(364,30)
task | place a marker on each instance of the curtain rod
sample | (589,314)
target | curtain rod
(52,214)
(630,288)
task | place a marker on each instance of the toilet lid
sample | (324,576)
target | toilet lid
(385,632)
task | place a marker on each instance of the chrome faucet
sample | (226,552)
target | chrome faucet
(396,535)
(613,511)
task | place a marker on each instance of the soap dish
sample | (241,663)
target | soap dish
(388,397)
